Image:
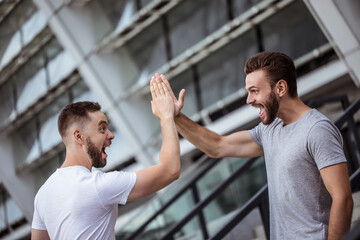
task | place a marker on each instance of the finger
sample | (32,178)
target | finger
(156,88)
(152,90)
(181,96)
(167,84)
(166,90)
(160,86)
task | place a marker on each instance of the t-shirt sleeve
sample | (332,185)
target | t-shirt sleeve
(255,134)
(325,144)
(37,223)
(114,187)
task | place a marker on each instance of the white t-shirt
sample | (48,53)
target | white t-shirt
(75,203)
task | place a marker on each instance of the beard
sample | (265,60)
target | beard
(271,106)
(95,155)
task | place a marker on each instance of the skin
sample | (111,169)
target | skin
(84,147)
(241,145)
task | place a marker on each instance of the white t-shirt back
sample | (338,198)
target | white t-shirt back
(75,203)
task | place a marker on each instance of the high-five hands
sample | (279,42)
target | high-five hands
(162,103)
(178,103)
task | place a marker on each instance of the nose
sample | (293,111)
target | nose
(111,135)
(249,99)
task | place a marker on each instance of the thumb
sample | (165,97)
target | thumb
(181,96)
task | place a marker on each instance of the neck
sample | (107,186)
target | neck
(76,158)
(291,110)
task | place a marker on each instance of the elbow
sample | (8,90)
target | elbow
(174,173)
(215,152)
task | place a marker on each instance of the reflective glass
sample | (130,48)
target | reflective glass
(191,21)
(148,50)
(119,13)
(49,135)
(27,143)
(185,81)
(29,90)
(222,72)
(60,67)
(239,7)
(81,92)
(32,79)
(7,104)
(13,212)
(293,31)
(22,25)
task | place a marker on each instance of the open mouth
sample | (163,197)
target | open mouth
(103,152)
(261,109)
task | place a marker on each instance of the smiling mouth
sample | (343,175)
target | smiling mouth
(261,109)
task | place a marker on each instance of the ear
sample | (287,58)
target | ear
(281,88)
(78,137)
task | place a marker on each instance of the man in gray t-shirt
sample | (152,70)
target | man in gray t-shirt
(299,202)
(309,188)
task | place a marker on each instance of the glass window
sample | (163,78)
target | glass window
(10,213)
(293,31)
(185,80)
(148,50)
(27,143)
(7,104)
(222,72)
(32,79)
(81,92)
(29,90)
(22,25)
(49,136)
(60,67)
(191,21)
(239,7)
(119,13)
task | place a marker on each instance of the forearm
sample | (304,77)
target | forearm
(204,139)
(170,149)
(340,218)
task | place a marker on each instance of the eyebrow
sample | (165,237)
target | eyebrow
(103,122)
(249,88)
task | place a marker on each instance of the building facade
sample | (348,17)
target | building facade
(55,52)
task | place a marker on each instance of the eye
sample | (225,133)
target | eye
(103,128)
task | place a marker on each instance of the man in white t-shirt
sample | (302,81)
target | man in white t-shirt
(76,203)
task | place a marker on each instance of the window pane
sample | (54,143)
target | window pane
(222,73)
(148,51)
(18,29)
(293,31)
(26,142)
(60,67)
(7,104)
(192,21)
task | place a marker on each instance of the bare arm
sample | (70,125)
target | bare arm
(37,234)
(336,180)
(154,178)
(238,144)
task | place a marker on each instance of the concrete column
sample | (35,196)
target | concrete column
(340,22)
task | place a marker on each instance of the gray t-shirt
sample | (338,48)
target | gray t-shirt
(294,154)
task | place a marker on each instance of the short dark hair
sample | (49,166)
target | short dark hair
(76,112)
(277,66)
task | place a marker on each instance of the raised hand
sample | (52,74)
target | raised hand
(162,104)
(178,103)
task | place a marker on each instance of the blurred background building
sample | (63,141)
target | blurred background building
(53,52)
